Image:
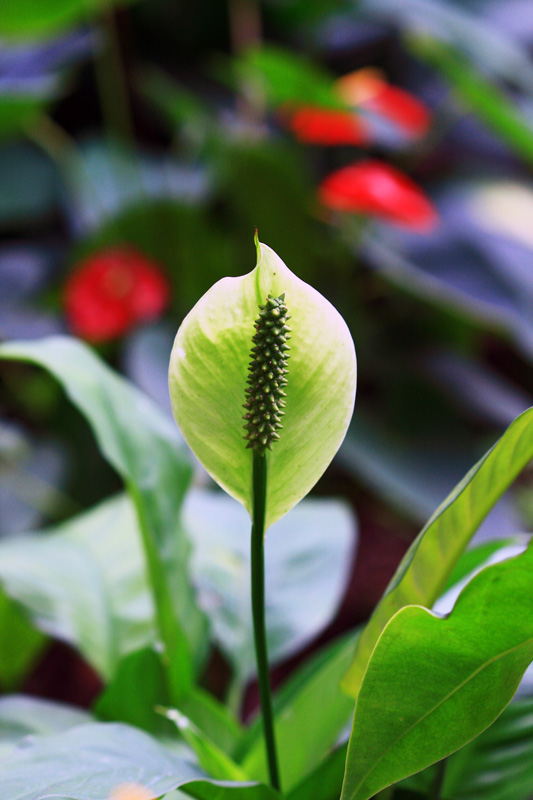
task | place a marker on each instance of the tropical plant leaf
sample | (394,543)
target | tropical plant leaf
(433,684)
(84,582)
(21,716)
(140,442)
(90,762)
(428,563)
(287,78)
(20,644)
(497,765)
(481,96)
(208,374)
(25,18)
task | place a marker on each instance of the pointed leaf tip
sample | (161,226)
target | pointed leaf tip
(208,378)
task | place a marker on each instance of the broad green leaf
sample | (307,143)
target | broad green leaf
(311,713)
(28,18)
(497,765)
(208,372)
(140,443)
(20,644)
(481,96)
(21,716)
(432,684)
(64,594)
(104,609)
(84,582)
(481,555)
(90,762)
(288,78)
(427,565)
(306,572)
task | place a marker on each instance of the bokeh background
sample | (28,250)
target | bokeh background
(384,149)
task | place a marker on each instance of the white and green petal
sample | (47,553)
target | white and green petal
(208,380)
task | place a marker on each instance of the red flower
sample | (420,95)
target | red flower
(113,290)
(365,90)
(368,90)
(313,125)
(376,189)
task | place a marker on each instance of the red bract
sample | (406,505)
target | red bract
(368,90)
(365,90)
(113,290)
(379,190)
(313,125)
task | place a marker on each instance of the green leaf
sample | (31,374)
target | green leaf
(91,761)
(20,644)
(140,443)
(432,684)
(208,373)
(427,565)
(303,735)
(481,96)
(306,572)
(138,687)
(64,593)
(84,582)
(325,782)
(497,765)
(21,716)
(18,113)
(288,78)
(211,758)
(26,18)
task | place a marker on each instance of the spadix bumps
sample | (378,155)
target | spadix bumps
(265,395)
(209,370)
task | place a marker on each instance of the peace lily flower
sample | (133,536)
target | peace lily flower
(209,372)
(232,354)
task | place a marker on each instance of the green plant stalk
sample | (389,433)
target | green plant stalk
(258,612)
(437,786)
(176,656)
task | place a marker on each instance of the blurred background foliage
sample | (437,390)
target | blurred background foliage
(142,142)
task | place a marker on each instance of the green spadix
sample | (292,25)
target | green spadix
(209,368)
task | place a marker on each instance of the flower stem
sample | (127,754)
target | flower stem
(258,612)
(435,791)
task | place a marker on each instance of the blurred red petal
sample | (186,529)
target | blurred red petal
(400,107)
(111,291)
(376,189)
(327,126)
(368,89)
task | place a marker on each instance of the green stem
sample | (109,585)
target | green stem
(385,794)
(176,656)
(437,786)
(258,612)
